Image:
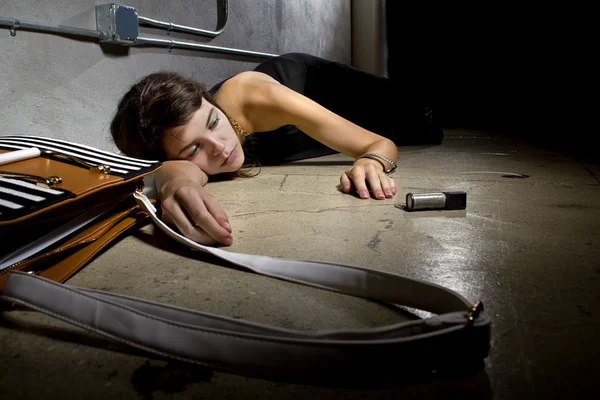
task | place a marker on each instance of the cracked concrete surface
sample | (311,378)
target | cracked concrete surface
(527,247)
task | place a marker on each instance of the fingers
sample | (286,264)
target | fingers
(204,220)
(345,183)
(179,220)
(368,178)
(388,186)
(382,186)
(358,178)
(375,184)
(215,210)
(198,216)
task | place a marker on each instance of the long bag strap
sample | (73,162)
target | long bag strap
(457,332)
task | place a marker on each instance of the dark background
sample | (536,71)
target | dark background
(513,70)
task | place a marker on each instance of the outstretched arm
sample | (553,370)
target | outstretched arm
(267,105)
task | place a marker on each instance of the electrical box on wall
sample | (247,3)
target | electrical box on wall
(117,23)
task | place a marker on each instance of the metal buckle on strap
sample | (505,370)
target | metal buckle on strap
(474,313)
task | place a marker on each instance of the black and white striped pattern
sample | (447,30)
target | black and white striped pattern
(19,198)
(126,167)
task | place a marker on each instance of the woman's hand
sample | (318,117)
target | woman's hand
(188,206)
(368,172)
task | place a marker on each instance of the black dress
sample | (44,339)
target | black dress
(398,112)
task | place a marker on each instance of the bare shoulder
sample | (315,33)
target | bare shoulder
(240,95)
(250,77)
(245,83)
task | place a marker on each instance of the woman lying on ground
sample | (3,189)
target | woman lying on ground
(289,107)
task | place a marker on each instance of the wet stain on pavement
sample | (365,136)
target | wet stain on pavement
(515,176)
(168,377)
(576,206)
(583,310)
(373,244)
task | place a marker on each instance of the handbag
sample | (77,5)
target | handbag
(457,335)
(62,202)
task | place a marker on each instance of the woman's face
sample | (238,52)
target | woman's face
(208,140)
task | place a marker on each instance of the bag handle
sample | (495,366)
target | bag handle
(459,331)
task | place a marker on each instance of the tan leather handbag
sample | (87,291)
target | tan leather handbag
(62,202)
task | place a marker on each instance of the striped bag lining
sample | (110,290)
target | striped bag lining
(19,198)
(126,167)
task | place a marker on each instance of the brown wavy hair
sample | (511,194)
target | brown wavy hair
(153,105)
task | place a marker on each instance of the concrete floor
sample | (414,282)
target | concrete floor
(527,247)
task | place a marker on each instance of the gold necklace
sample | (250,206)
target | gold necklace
(241,131)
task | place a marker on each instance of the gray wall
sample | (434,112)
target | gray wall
(68,88)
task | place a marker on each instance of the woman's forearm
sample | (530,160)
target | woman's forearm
(384,147)
(179,170)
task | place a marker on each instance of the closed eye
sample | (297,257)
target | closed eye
(193,150)
(214,121)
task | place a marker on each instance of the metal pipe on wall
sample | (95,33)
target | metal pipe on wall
(106,33)
(13,24)
(222,14)
(196,46)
